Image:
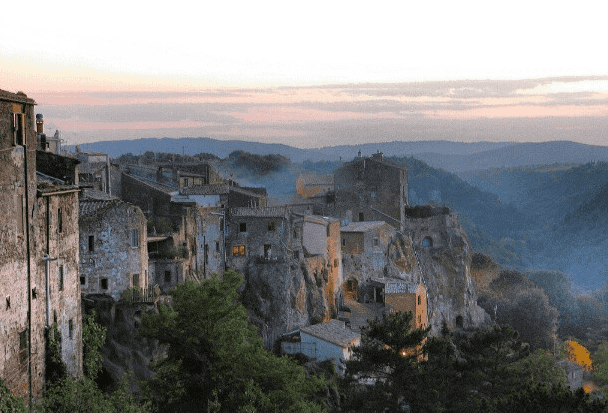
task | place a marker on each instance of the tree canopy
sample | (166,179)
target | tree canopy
(215,361)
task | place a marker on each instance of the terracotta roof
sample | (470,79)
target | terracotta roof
(333,331)
(362,226)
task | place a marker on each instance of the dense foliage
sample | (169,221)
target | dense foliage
(486,370)
(258,164)
(216,362)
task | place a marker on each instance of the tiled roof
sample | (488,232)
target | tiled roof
(95,194)
(362,226)
(268,212)
(161,187)
(317,219)
(205,190)
(314,179)
(91,206)
(332,332)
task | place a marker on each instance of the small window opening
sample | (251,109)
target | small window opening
(272,226)
(83,280)
(135,280)
(167,276)
(34,293)
(8,302)
(61,278)
(217,246)
(344,242)
(18,129)
(419,300)
(23,348)
(361,216)
(134,237)
(376,242)
(103,283)
(71,328)
(59,221)
(243,227)
(91,243)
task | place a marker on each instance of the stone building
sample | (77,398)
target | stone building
(367,189)
(113,247)
(38,253)
(311,184)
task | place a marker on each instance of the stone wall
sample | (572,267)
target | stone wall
(115,263)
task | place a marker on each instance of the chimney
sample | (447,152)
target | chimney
(39,123)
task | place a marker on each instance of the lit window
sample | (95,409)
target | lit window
(239,250)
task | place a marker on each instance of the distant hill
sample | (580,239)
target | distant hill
(223,148)
(453,157)
(520,154)
(566,210)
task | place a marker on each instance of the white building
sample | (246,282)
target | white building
(324,341)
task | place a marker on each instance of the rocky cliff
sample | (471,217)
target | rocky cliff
(282,297)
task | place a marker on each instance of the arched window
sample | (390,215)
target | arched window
(427,242)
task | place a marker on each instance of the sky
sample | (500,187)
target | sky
(311,74)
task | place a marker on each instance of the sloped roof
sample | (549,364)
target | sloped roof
(314,179)
(91,206)
(205,190)
(332,332)
(267,212)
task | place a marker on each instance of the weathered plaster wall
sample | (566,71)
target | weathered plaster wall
(113,257)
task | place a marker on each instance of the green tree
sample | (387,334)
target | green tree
(10,403)
(93,338)
(383,371)
(215,362)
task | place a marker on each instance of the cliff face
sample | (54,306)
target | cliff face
(443,256)
(124,350)
(282,297)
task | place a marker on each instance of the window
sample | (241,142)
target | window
(361,216)
(239,250)
(376,242)
(18,129)
(34,293)
(217,246)
(91,243)
(272,225)
(336,262)
(23,348)
(135,280)
(61,278)
(59,221)
(83,280)
(419,300)
(419,319)
(243,227)
(296,254)
(71,328)
(344,242)
(20,200)
(373,195)
(134,237)
(206,254)
(167,276)
(8,302)
(327,229)
(103,283)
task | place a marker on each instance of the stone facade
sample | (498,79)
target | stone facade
(367,189)
(113,246)
(39,220)
(310,184)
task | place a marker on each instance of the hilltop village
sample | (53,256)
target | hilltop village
(85,233)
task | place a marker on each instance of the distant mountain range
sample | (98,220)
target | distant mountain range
(451,156)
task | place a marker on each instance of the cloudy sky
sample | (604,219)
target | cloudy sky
(312,74)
